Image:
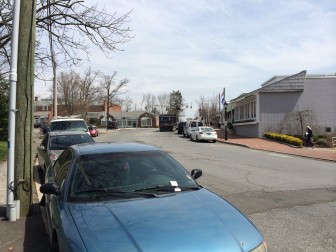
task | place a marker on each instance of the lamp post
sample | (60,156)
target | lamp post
(225,114)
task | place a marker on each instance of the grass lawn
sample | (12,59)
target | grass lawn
(3,150)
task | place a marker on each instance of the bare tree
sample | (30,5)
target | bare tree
(163,102)
(207,108)
(147,101)
(72,25)
(112,89)
(88,91)
(68,86)
(297,121)
(128,103)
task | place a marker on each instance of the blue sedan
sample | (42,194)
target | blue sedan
(135,197)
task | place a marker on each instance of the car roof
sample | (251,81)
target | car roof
(107,147)
(66,119)
(66,132)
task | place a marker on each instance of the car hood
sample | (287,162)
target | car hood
(185,221)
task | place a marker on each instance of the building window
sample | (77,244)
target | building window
(45,108)
(146,122)
(328,129)
(254,110)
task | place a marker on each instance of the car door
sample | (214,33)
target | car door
(42,152)
(57,175)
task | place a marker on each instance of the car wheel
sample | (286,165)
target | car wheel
(197,139)
(214,141)
(54,243)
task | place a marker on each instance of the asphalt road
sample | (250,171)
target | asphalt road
(292,200)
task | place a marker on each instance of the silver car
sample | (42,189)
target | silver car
(55,142)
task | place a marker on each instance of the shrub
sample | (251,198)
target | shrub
(3,150)
(323,143)
(284,138)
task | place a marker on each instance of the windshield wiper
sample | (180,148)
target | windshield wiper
(116,192)
(169,188)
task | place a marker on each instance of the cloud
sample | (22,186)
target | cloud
(199,47)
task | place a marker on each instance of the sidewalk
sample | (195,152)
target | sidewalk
(268,145)
(28,234)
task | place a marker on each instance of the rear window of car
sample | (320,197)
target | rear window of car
(63,141)
(68,125)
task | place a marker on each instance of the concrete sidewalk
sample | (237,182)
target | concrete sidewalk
(24,234)
(28,234)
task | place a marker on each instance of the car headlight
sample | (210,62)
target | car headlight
(261,248)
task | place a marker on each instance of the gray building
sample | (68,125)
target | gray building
(287,104)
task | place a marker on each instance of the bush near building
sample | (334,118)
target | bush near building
(284,138)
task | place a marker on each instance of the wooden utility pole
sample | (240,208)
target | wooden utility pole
(25,105)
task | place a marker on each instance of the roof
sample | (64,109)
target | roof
(283,83)
(108,147)
(132,114)
(66,119)
(66,132)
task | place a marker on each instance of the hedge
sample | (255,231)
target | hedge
(284,138)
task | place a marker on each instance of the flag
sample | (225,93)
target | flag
(223,97)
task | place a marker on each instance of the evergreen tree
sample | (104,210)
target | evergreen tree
(4,100)
(175,103)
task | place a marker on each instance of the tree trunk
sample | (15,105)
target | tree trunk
(25,105)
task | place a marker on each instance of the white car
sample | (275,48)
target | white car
(203,134)
(66,124)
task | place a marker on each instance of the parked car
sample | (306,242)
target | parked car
(180,127)
(189,126)
(135,197)
(112,125)
(203,134)
(68,124)
(54,143)
(93,130)
(44,129)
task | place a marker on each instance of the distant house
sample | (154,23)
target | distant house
(284,103)
(135,119)
(42,108)
(96,112)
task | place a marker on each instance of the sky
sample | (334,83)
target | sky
(200,47)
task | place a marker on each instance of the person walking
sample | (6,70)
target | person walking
(309,135)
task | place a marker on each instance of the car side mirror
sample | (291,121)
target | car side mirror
(50,188)
(196,173)
(40,147)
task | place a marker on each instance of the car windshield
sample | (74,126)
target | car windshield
(61,142)
(138,174)
(68,125)
(207,129)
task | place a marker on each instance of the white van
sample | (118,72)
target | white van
(191,125)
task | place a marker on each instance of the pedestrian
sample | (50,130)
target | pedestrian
(309,135)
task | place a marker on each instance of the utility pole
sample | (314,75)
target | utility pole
(25,105)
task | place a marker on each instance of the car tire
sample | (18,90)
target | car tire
(214,141)
(54,244)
